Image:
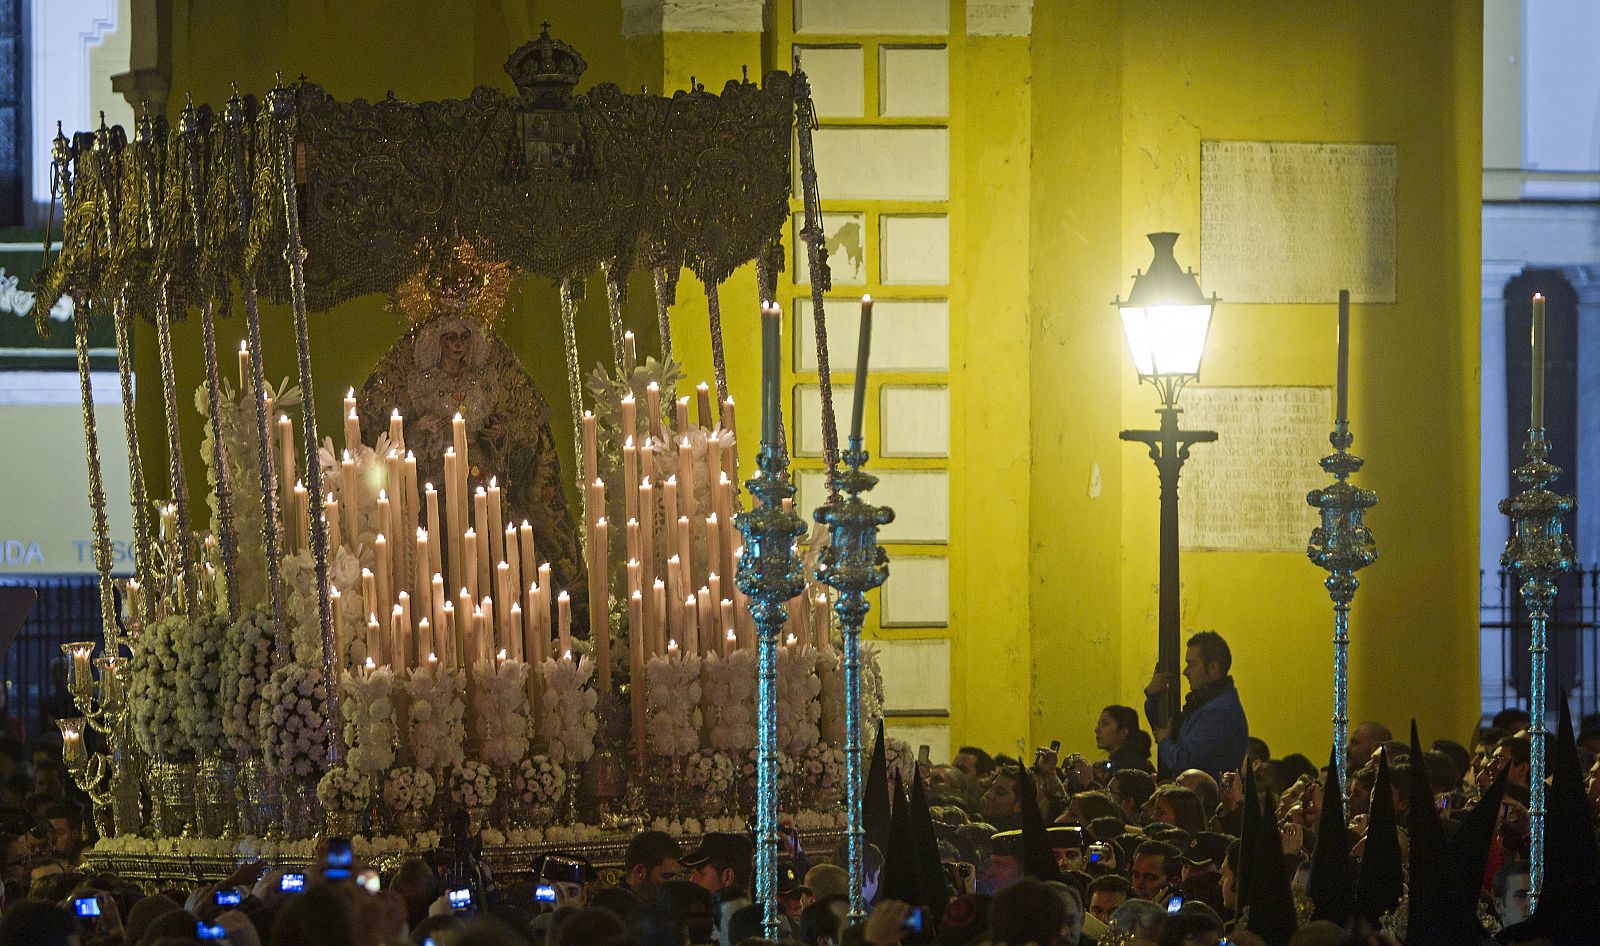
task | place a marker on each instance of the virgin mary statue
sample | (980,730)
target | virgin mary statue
(450,360)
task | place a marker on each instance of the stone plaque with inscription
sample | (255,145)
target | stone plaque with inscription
(1247,491)
(1296,222)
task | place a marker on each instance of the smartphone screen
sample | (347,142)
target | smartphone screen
(227,897)
(292,883)
(460,899)
(544,893)
(204,930)
(913,921)
(338,860)
(1174,904)
(86,906)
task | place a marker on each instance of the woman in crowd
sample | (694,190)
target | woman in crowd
(1119,736)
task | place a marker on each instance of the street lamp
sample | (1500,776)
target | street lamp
(1165,319)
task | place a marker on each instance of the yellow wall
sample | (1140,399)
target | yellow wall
(1067,147)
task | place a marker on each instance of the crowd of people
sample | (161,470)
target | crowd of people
(1189,834)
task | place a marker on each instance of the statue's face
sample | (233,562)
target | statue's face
(454,344)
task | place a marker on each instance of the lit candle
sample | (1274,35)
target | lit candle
(380,547)
(480,532)
(374,639)
(336,603)
(469,569)
(658,607)
(713,545)
(591,447)
(425,643)
(420,580)
(691,626)
(599,604)
(397,431)
(505,596)
(771,410)
(863,345)
(527,553)
(449,634)
(435,537)
(821,626)
(286,462)
(352,423)
(730,639)
(533,638)
(494,536)
(686,550)
(702,396)
(513,630)
(394,647)
(727,415)
(630,353)
(302,516)
(564,622)
(652,399)
(686,495)
(630,479)
(669,502)
(466,630)
(1536,420)
(453,523)
(705,617)
(680,415)
(350,496)
(513,558)
(488,628)
(630,417)
(330,513)
(244,368)
(458,441)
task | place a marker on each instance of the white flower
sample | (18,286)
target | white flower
(155,689)
(797,691)
(345,790)
(569,708)
(539,782)
(409,789)
(672,703)
(437,732)
(728,695)
(292,737)
(500,698)
(472,784)
(369,726)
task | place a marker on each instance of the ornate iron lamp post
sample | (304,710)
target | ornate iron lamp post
(1342,544)
(853,564)
(1165,319)
(1539,551)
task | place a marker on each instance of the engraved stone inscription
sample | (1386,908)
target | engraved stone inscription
(1295,222)
(1247,491)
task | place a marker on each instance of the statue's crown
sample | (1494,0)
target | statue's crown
(545,70)
(454,279)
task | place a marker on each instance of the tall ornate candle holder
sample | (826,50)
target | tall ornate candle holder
(769,573)
(853,564)
(1342,544)
(109,778)
(1539,551)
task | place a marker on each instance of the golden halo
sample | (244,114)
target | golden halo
(453,279)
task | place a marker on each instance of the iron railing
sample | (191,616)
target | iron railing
(1573,663)
(32,670)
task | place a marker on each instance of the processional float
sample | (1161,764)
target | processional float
(366,637)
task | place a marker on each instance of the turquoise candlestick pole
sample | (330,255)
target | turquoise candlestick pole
(853,563)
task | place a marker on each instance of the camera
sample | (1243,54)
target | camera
(86,906)
(226,897)
(1100,852)
(204,930)
(292,883)
(1174,903)
(545,893)
(913,921)
(460,899)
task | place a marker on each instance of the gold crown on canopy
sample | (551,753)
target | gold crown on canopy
(454,279)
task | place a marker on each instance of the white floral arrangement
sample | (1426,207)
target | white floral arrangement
(437,732)
(344,789)
(500,697)
(409,789)
(711,771)
(569,708)
(367,709)
(539,782)
(798,690)
(200,681)
(293,708)
(788,767)
(871,692)
(822,769)
(897,753)
(830,676)
(472,784)
(728,691)
(153,692)
(344,573)
(672,704)
(246,663)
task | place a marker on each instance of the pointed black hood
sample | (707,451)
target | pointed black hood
(1332,887)
(1272,912)
(930,869)
(875,811)
(899,879)
(1249,809)
(1439,914)
(1038,860)
(1383,878)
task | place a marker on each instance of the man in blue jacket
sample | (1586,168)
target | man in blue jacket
(1210,732)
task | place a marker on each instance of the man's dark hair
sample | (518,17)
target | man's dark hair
(1092,805)
(1107,829)
(1213,649)
(1178,927)
(1296,766)
(655,925)
(1457,753)
(1443,776)
(1134,783)
(65,810)
(1115,883)
(1502,877)
(1400,780)
(821,919)
(648,849)
(1489,736)
(1511,719)
(1520,749)
(35,923)
(1163,850)
(1256,750)
(621,902)
(1028,911)
(984,762)
(1231,859)
(745,923)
